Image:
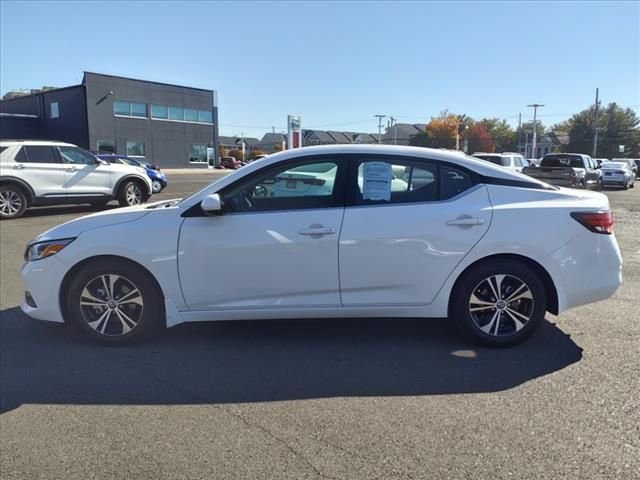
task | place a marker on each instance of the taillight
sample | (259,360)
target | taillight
(597,222)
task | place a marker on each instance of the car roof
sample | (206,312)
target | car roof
(477,165)
(9,143)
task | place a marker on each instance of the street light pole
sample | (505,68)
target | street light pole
(533,142)
(595,127)
(380,117)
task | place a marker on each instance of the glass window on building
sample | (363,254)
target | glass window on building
(138,109)
(198,153)
(121,108)
(135,148)
(176,113)
(205,116)
(54,111)
(159,111)
(130,109)
(106,146)
(190,115)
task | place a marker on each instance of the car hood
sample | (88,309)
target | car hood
(73,228)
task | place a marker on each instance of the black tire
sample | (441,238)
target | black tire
(131,193)
(157,186)
(626,186)
(506,332)
(13,202)
(103,318)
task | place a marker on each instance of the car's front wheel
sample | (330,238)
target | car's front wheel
(499,303)
(131,194)
(113,302)
(156,186)
(13,203)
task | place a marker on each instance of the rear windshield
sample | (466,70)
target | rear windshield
(562,161)
(502,161)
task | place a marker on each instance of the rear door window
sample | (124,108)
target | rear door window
(396,181)
(37,154)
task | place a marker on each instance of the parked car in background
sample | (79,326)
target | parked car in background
(629,161)
(511,161)
(618,174)
(567,170)
(637,162)
(468,240)
(230,162)
(158,179)
(34,172)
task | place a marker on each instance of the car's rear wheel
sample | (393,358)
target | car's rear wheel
(499,303)
(114,303)
(13,202)
(156,186)
(131,194)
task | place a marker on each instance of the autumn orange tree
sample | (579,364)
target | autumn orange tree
(478,138)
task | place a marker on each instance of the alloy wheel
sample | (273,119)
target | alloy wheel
(111,305)
(10,203)
(134,195)
(156,186)
(501,305)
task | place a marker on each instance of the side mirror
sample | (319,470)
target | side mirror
(212,204)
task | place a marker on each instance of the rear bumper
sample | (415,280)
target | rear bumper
(585,270)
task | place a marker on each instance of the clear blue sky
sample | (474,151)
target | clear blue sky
(338,64)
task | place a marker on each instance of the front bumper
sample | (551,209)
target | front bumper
(42,279)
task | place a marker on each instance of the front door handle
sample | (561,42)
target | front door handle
(317,230)
(466,221)
(72,169)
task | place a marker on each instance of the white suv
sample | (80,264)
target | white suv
(508,160)
(53,173)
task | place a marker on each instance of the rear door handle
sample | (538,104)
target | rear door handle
(19,167)
(466,222)
(72,169)
(317,230)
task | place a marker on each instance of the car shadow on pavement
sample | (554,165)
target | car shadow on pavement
(264,361)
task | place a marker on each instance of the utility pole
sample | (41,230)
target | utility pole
(380,117)
(520,133)
(535,124)
(458,123)
(595,127)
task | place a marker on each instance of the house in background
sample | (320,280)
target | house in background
(402,133)
(550,142)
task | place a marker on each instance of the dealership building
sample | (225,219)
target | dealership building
(169,125)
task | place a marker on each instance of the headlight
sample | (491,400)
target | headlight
(40,250)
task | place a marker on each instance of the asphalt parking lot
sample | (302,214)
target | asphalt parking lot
(339,399)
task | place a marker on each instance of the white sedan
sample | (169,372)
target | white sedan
(455,237)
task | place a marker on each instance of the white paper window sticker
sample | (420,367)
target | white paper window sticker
(377,181)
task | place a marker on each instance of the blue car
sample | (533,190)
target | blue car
(158,179)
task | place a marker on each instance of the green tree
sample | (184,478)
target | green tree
(505,139)
(616,126)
